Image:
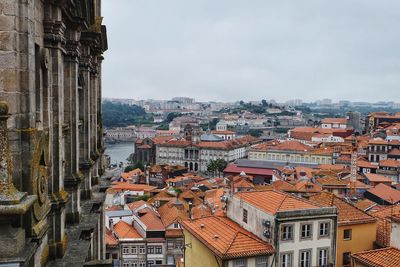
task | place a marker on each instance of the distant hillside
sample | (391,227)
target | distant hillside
(122,115)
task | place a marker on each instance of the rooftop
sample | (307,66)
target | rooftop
(347,213)
(272,201)
(386,193)
(385,257)
(226,239)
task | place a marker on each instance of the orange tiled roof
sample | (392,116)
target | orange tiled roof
(365,204)
(226,239)
(347,213)
(386,193)
(366,164)
(331,181)
(387,211)
(385,257)
(243,184)
(307,186)
(377,141)
(378,178)
(110,239)
(132,187)
(334,120)
(390,163)
(152,220)
(134,205)
(200,211)
(173,233)
(170,213)
(283,186)
(384,227)
(394,152)
(272,201)
(123,230)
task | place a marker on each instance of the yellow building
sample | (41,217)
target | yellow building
(356,228)
(290,151)
(217,241)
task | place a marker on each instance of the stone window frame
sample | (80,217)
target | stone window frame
(309,258)
(328,230)
(240,262)
(301,238)
(261,261)
(291,239)
(291,254)
(327,255)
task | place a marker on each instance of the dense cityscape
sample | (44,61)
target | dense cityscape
(97,181)
(254,184)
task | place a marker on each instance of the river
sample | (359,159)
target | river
(119,152)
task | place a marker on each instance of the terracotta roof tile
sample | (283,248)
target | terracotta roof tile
(132,187)
(272,201)
(347,213)
(334,120)
(152,220)
(385,257)
(389,163)
(226,239)
(170,214)
(365,204)
(377,178)
(111,241)
(124,231)
(173,233)
(386,193)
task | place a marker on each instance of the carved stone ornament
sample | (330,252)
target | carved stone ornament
(40,175)
(9,195)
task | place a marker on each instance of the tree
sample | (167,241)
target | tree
(264,103)
(137,165)
(122,115)
(256,132)
(217,166)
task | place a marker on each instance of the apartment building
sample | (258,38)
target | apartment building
(218,241)
(290,152)
(195,152)
(353,224)
(303,233)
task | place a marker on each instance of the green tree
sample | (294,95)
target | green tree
(216,167)
(137,165)
(256,132)
(264,103)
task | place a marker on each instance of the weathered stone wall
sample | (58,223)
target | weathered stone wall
(50,68)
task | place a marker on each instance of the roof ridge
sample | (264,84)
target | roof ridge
(231,243)
(280,205)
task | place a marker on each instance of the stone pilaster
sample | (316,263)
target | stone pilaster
(85,161)
(73,176)
(54,29)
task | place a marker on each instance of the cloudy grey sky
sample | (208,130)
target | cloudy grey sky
(253,49)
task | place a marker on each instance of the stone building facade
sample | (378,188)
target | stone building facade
(51,130)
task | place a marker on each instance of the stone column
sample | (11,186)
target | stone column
(85,162)
(54,40)
(73,176)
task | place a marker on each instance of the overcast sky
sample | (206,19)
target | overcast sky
(227,50)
